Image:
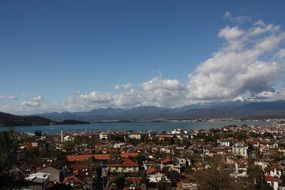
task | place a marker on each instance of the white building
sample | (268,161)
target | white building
(179,131)
(240,149)
(224,143)
(157,177)
(103,136)
(136,136)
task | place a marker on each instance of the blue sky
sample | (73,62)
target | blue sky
(82,55)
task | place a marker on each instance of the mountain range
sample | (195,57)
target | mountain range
(226,110)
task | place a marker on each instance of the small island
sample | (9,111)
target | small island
(70,122)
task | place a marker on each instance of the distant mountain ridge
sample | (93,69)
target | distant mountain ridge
(235,110)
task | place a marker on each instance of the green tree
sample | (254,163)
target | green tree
(256,179)
(174,177)
(120,181)
(8,157)
(161,185)
(216,176)
(8,151)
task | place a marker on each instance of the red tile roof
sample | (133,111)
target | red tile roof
(134,180)
(78,158)
(271,179)
(128,154)
(166,161)
(151,170)
(85,157)
(125,163)
(102,156)
(129,163)
(72,179)
(79,165)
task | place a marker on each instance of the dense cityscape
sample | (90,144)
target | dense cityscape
(142,95)
(230,157)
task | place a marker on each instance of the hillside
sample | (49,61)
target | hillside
(13,120)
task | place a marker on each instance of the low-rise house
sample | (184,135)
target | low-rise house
(123,165)
(103,136)
(185,185)
(16,174)
(262,164)
(34,144)
(83,163)
(167,163)
(157,177)
(179,131)
(134,182)
(274,182)
(274,171)
(54,174)
(136,136)
(218,150)
(86,157)
(165,150)
(253,142)
(125,155)
(240,170)
(73,181)
(226,143)
(163,137)
(38,181)
(119,145)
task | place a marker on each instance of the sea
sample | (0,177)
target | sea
(141,127)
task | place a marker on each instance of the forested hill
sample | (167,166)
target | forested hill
(14,120)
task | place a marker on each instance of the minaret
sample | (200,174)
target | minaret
(61,136)
(108,134)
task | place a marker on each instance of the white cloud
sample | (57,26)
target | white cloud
(164,92)
(38,98)
(228,15)
(96,97)
(245,64)
(159,83)
(34,102)
(123,86)
(230,33)
(130,99)
(8,97)
(267,95)
(238,19)
(271,95)
(263,96)
(87,101)
(281,53)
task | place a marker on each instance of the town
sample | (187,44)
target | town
(230,157)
